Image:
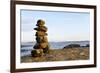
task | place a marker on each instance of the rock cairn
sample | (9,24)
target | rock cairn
(42,45)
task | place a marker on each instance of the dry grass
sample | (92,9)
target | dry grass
(60,55)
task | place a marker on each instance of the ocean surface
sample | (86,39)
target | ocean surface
(26,47)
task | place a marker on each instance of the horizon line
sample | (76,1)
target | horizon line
(59,41)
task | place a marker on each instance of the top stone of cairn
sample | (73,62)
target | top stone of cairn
(40,23)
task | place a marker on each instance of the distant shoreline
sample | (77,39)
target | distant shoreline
(58,41)
(28,46)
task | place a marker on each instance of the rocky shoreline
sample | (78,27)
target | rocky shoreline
(65,54)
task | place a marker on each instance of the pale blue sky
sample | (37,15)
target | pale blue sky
(62,26)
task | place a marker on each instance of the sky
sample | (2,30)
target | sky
(62,26)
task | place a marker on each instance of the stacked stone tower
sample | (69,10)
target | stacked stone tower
(42,45)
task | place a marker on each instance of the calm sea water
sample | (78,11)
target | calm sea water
(26,47)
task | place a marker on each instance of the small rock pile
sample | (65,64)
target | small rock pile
(42,45)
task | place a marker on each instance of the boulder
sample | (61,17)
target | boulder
(36,46)
(87,45)
(40,33)
(47,49)
(45,39)
(37,53)
(40,23)
(43,45)
(72,46)
(42,28)
(41,39)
